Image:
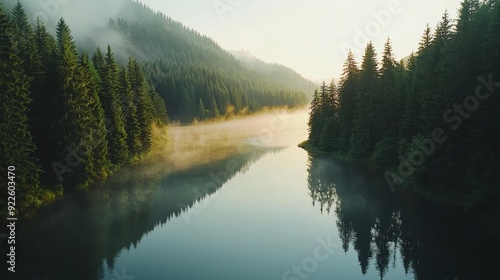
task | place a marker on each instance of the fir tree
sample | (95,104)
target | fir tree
(98,143)
(16,144)
(201,110)
(74,130)
(42,111)
(112,104)
(131,120)
(143,103)
(363,138)
(347,101)
(390,106)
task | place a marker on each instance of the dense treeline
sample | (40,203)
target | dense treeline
(73,114)
(187,69)
(199,92)
(68,120)
(195,76)
(433,120)
(276,73)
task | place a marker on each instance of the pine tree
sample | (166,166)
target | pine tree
(481,128)
(130,109)
(426,40)
(388,110)
(98,143)
(330,132)
(25,37)
(74,130)
(41,111)
(314,123)
(363,138)
(411,108)
(112,105)
(347,101)
(390,106)
(143,103)
(491,52)
(201,110)
(436,72)
(99,62)
(160,115)
(214,111)
(16,144)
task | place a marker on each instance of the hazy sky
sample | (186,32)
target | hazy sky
(310,36)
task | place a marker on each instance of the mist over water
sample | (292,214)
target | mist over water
(179,147)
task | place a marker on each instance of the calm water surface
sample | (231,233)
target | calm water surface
(263,209)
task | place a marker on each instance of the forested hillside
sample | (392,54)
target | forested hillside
(276,72)
(433,122)
(76,110)
(195,76)
(68,119)
(192,73)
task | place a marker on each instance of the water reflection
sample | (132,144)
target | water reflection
(389,229)
(70,238)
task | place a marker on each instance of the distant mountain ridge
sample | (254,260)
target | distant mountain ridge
(275,71)
(196,77)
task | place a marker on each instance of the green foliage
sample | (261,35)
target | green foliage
(324,118)
(77,115)
(389,112)
(66,117)
(99,152)
(385,153)
(347,101)
(130,112)
(16,145)
(143,102)
(368,98)
(185,67)
(112,104)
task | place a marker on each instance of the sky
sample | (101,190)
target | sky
(310,36)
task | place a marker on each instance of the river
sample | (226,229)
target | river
(239,200)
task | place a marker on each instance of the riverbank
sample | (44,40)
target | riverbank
(343,157)
(486,213)
(177,147)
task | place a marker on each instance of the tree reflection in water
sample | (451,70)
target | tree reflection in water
(95,226)
(388,229)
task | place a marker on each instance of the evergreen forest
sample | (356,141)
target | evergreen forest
(76,111)
(430,120)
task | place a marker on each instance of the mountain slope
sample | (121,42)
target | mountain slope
(275,72)
(194,75)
